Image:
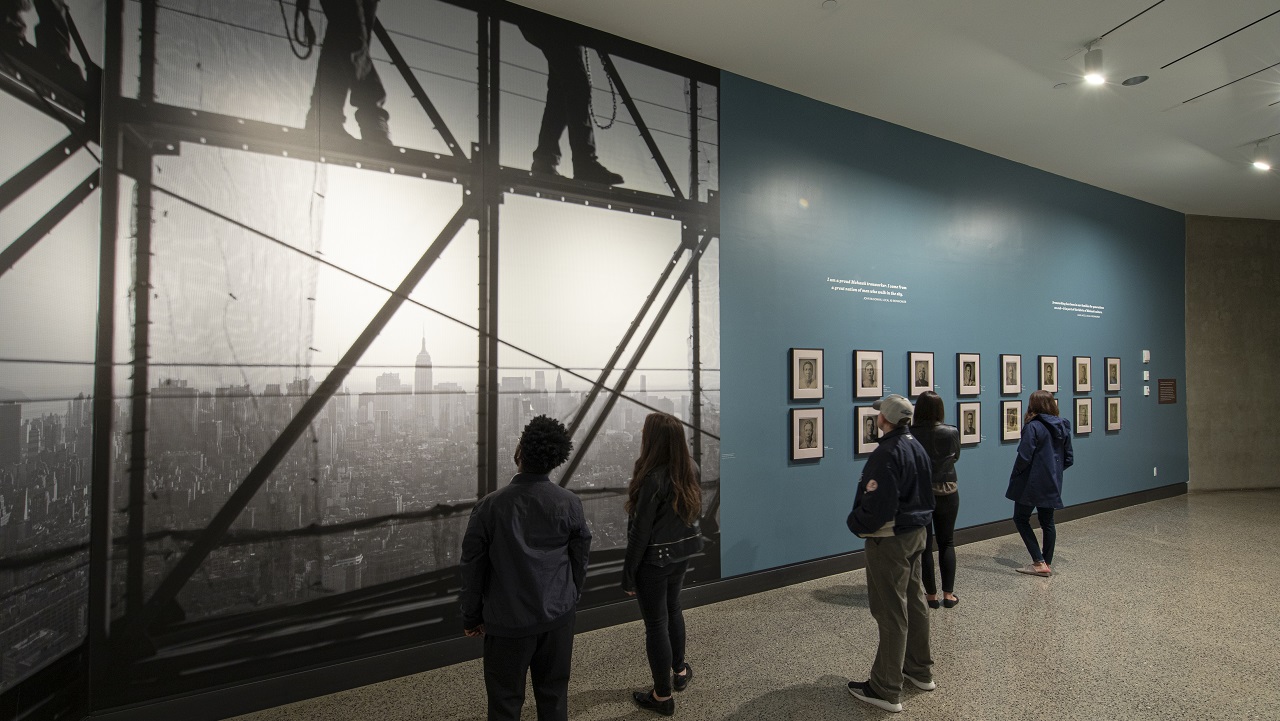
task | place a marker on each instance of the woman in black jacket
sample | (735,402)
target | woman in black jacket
(942,442)
(664,501)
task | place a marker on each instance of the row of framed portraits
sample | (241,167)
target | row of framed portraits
(807,425)
(807,381)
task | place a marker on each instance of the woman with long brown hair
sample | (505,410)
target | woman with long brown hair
(1036,482)
(942,443)
(664,501)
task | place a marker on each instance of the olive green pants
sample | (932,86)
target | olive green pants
(897,604)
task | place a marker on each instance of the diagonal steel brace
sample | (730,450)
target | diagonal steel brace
(213,533)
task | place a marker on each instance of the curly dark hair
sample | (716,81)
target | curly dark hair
(544,444)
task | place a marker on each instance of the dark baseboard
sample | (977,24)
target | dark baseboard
(252,696)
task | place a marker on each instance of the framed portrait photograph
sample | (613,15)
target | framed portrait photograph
(968,374)
(1010,420)
(1113,374)
(1049,373)
(1084,415)
(1083,372)
(806,433)
(868,373)
(920,371)
(866,432)
(1010,373)
(806,373)
(969,421)
(1113,413)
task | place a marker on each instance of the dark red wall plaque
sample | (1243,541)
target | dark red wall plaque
(1167,390)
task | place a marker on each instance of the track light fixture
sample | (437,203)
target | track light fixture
(1262,156)
(1093,72)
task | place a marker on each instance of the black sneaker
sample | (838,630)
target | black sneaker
(862,691)
(545,168)
(679,682)
(592,171)
(645,700)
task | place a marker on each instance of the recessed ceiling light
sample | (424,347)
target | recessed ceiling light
(1136,80)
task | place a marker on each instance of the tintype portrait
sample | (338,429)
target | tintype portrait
(806,373)
(1113,374)
(920,371)
(866,432)
(868,373)
(806,433)
(1084,415)
(1049,373)
(1084,373)
(1011,420)
(970,415)
(968,374)
(1010,373)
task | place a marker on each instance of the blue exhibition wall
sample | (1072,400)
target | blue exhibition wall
(985,249)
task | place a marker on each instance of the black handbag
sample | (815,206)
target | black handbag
(662,554)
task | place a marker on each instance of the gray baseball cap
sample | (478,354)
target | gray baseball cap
(895,408)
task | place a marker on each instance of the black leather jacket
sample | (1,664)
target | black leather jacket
(942,443)
(655,533)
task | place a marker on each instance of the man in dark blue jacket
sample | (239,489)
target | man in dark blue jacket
(892,508)
(524,560)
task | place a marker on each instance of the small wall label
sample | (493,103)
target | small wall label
(1167,390)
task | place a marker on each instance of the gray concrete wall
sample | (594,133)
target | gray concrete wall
(1233,353)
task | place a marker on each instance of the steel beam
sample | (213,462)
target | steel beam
(25,242)
(416,87)
(164,127)
(630,333)
(100,514)
(580,451)
(490,192)
(212,534)
(695,288)
(640,124)
(37,170)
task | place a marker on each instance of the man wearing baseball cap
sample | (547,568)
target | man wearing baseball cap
(892,508)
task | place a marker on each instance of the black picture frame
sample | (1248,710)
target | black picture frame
(1010,373)
(1082,373)
(1010,420)
(868,373)
(806,433)
(969,422)
(806,374)
(968,374)
(866,432)
(1047,374)
(1112,366)
(1083,415)
(919,373)
(1114,414)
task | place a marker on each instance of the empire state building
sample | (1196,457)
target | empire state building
(423,400)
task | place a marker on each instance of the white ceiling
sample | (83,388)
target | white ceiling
(982,73)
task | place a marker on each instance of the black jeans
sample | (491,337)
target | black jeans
(346,65)
(658,591)
(1022,519)
(568,97)
(943,531)
(545,656)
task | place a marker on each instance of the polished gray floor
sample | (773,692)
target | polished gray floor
(1164,611)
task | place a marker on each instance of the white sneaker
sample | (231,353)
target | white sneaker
(922,685)
(862,691)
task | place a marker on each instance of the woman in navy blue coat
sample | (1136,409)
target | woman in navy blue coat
(1036,482)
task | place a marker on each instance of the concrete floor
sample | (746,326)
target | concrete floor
(1162,611)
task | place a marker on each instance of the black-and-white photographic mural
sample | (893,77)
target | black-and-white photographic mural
(50,58)
(360,245)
